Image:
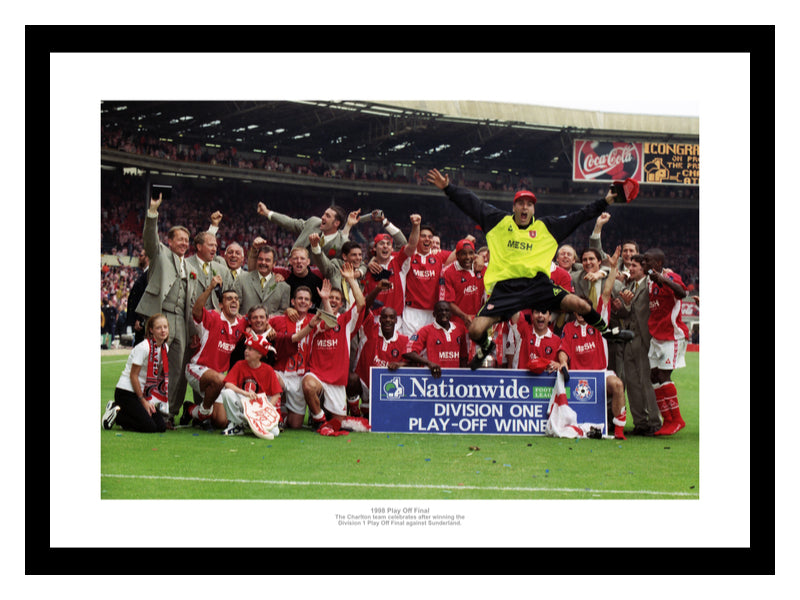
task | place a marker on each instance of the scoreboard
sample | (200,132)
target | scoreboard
(658,163)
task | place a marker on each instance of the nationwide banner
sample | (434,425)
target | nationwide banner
(484,401)
(659,163)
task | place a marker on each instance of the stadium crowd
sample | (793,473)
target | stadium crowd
(148,145)
(123,209)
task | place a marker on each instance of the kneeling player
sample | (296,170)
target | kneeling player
(329,361)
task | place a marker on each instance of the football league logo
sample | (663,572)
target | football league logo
(582,390)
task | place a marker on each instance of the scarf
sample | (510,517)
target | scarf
(562,420)
(155,386)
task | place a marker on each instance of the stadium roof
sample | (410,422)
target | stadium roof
(482,135)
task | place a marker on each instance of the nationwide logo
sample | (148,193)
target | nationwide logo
(393,388)
(607,160)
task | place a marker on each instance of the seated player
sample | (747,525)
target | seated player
(245,381)
(205,372)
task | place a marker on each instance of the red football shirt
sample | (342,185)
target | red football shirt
(462,287)
(532,345)
(423,278)
(444,347)
(260,380)
(394,297)
(290,357)
(665,321)
(218,338)
(377,351)
(329,352)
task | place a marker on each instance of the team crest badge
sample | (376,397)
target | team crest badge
(532,234)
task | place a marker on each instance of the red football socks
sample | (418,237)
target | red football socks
(667,400)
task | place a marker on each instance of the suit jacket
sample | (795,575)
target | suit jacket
(639,315)
(134,296)
(581,286)
(218,266)
(163,272)
(303,228)
(275,296)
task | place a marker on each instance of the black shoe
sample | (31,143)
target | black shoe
(186,418)
(618,335)
(481,354)
(643,431)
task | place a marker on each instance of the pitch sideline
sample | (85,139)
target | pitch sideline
(404,486)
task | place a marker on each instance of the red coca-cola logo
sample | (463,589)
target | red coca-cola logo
(607,160)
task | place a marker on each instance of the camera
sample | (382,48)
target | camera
(164,190)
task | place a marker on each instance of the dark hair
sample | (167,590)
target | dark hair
(348,246)
(594,251)
(268,249)
(340,214)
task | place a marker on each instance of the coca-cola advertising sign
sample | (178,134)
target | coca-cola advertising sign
(606,161)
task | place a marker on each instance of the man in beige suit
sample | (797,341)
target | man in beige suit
(259,285)
(636,375)
(169,288)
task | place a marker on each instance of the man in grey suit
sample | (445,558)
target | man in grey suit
(641,395)
(168,290)
(259,285)
(204,264)
(327,226)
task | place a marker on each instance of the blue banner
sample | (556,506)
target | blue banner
(486,401)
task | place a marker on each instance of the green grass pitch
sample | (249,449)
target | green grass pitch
(189,463)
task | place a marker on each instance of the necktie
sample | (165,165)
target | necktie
(345,291)
(235,275)
(205,268)
(593,294)
(263,281)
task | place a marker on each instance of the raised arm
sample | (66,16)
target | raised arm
(413,238)
(197,309)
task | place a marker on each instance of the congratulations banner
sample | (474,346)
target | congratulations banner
(487,401)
